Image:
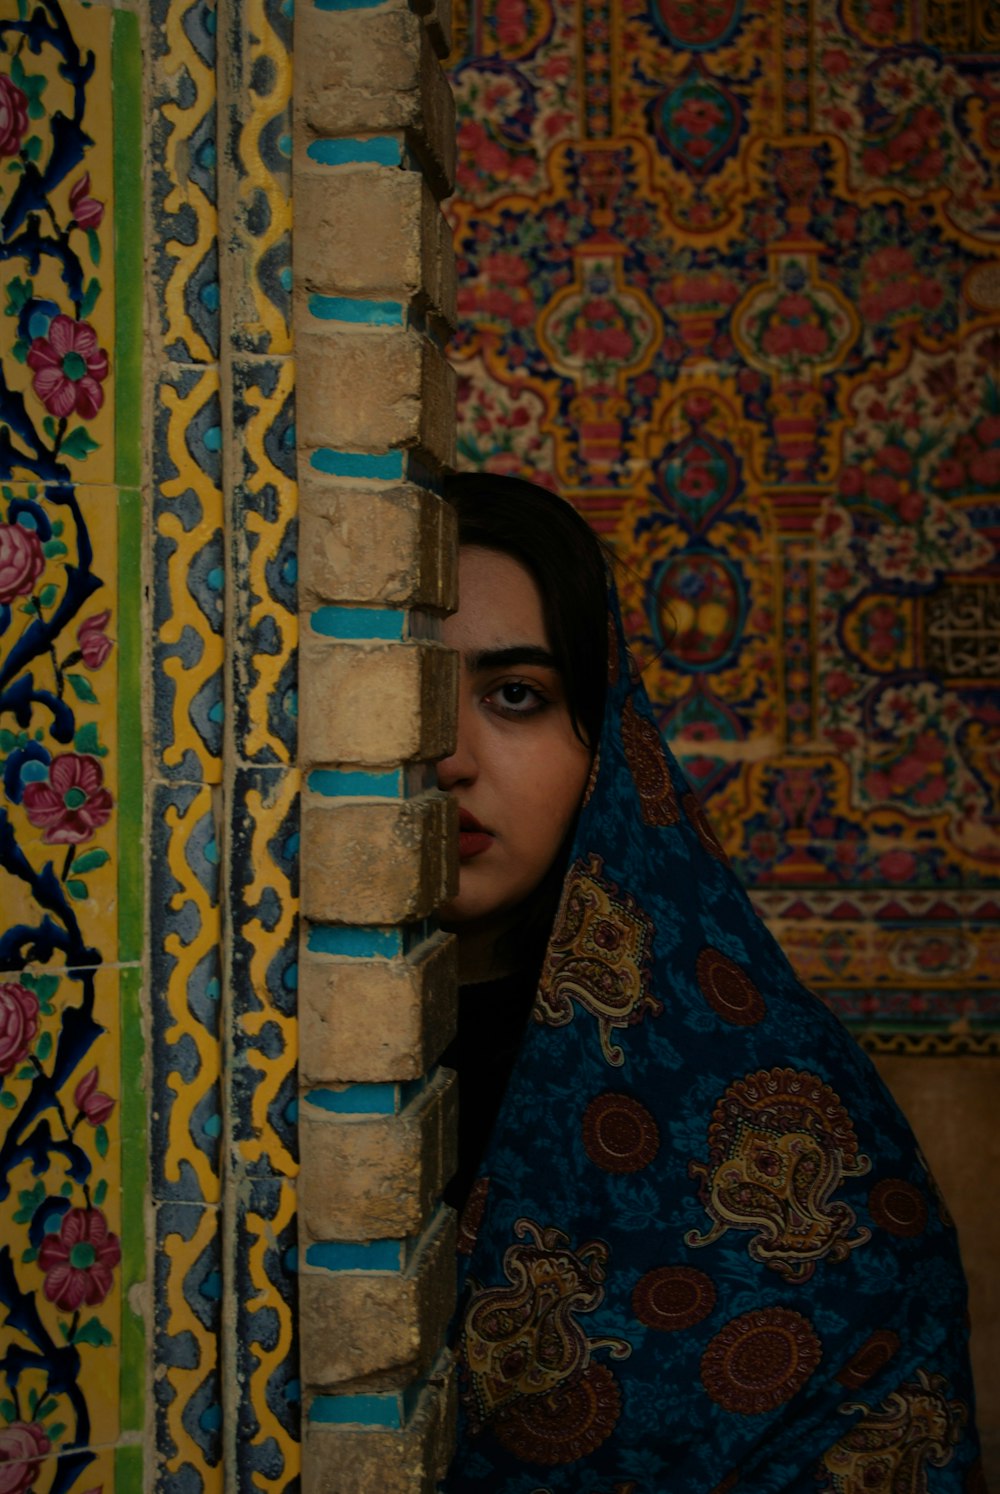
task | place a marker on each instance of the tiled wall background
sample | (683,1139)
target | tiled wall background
(72,1154)
(223,822)
(126,497)
(729,280)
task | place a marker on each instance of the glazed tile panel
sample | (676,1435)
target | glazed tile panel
(729,280)
(224,712)
(73,1134)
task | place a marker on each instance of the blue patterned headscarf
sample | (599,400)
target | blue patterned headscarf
(704,1252)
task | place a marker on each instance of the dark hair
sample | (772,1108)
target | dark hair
(569,566)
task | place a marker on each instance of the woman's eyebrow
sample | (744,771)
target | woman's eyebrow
(511,656)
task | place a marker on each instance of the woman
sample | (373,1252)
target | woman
(702,1251)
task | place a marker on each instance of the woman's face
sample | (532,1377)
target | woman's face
(518,770)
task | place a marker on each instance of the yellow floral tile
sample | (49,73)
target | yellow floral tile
(58,334)
(58,744)
(61,1223)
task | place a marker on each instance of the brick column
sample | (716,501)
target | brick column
(374,304)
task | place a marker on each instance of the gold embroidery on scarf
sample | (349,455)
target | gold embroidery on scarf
(528,1360)
(780,1144)
(648,765)
(890,1449)
(598,956)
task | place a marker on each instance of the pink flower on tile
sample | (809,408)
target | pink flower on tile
(23,1444)
(94,1105)
(88,212)
(69,368)
(73,803)
(95,645)
(21,561)
(13,123)
(79,1261)
(18,1029)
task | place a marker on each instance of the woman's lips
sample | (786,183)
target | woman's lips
(473,839)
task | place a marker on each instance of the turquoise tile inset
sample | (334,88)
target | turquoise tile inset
(346,783)
(358,943)
(354,309)
(357,1255)
(366,1099)
(360,622)
(386,1409)
(382,467)
(379,150)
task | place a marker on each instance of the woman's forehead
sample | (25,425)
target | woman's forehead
(499,603)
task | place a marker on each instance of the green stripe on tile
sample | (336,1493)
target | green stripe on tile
(127,72)
(132,1118)
(129,1467)
(127,627)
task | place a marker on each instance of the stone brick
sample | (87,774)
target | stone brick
(396,546)
(377,1176)
(374,704)
(437,18)
(375,1330)
(352,1460)
(373,389)
(378,861)
(372,1020)
(375,73)
(382,233)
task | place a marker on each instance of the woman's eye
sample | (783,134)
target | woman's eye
(515,698)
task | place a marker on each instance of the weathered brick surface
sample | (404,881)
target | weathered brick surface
(344,1460)
(371,1330)
(377,1176)
(378,861)
(371,1020)
(395,547)
(364,72)
(373,389)
(373,703)
(374,232)
(408,247)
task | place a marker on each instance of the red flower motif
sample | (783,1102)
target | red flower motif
(18,1029)
(88,212)
(698,407)
(697,117)
(22,1446)
(896,458)
(69,368)
(511,17)
(80,1260)
(72,805)
(21,561)
(984,468)
(13,116)
(94,1105)
(835,61)
(988,429)
(95,645)
(696,482)
(950,474)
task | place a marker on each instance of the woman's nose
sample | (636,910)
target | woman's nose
(460,766)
